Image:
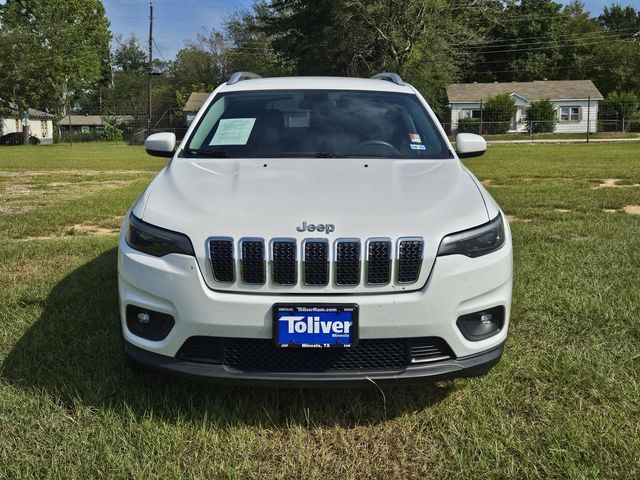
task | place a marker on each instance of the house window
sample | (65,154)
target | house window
(470,113)
(569,114)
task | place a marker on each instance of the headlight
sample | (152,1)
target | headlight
(476,241)
(155,240)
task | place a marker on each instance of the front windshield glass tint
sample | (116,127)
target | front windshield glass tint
(313,123)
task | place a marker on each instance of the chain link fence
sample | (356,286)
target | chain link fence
(567,120)
(573,119)
(130,126)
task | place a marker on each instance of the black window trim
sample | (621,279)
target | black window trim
(184,152)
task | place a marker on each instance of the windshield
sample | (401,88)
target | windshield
(316,123)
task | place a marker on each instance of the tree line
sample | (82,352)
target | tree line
(56,54)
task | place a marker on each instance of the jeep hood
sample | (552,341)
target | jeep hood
(269,198)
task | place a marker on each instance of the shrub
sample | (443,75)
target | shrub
(469,125)
(624,105)
(541,116)
(111,133)
(498,114)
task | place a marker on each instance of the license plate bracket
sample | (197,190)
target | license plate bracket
(315,325)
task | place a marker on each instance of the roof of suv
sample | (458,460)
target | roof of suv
(316,83)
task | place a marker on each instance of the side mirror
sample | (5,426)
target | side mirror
(470,145)
(160,144)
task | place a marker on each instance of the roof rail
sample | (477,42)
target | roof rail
(390,77)
(239,76)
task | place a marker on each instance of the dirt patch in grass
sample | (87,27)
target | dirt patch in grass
(91,229)
(561,210)
(632,209)
(615,183)
(610,210)
(40,173)
(487,182)
(24,196)
(515,219)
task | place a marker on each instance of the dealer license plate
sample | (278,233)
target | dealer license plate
(315,326)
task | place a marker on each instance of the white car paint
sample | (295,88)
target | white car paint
(269,198)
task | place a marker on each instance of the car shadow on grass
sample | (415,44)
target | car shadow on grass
(74,353)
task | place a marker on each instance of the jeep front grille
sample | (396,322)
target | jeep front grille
(283,261)
(252,266)
(348,262)
(222,261)
(316,262)
(410,254)
(378,262)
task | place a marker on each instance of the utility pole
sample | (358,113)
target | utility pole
(150,66)
(588,116)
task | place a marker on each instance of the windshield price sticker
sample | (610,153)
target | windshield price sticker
(233,131)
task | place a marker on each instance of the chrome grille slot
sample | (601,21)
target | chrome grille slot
(252,265)
(410,254)
(378,261)
(316,262)
(221,257)
(283,261)
(429,349)
(347,261)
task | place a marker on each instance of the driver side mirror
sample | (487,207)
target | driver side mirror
(161,144)
(470,145)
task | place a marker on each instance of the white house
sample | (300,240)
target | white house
(40,123)
(576,102)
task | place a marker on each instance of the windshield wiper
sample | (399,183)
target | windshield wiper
(327,155)
(208,153)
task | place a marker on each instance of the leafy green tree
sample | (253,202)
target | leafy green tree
(201,61)
(51,49)
(541,116)
(249,47)
(623,104)
(625,21)
(129,57)
(498,113)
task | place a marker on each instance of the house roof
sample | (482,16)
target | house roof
(196,99)
(92,120)
(12,109)
(530,91)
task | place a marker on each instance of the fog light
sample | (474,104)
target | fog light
(484,318)
(483,324)
(148,324)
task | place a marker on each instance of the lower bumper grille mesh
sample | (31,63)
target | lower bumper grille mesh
(260,355)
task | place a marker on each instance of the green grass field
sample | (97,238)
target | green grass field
(563,403)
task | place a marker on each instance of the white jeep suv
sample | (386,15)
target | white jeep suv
(315,230)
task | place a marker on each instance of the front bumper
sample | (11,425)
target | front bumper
(470,366)
(457,285)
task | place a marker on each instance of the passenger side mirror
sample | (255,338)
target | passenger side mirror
(470,145)
(160,144)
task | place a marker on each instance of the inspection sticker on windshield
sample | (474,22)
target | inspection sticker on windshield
(415,138)
(417,147)
(233,131)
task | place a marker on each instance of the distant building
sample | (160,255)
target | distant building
(40,123)
(570,98)
(191,108)
(90,123)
